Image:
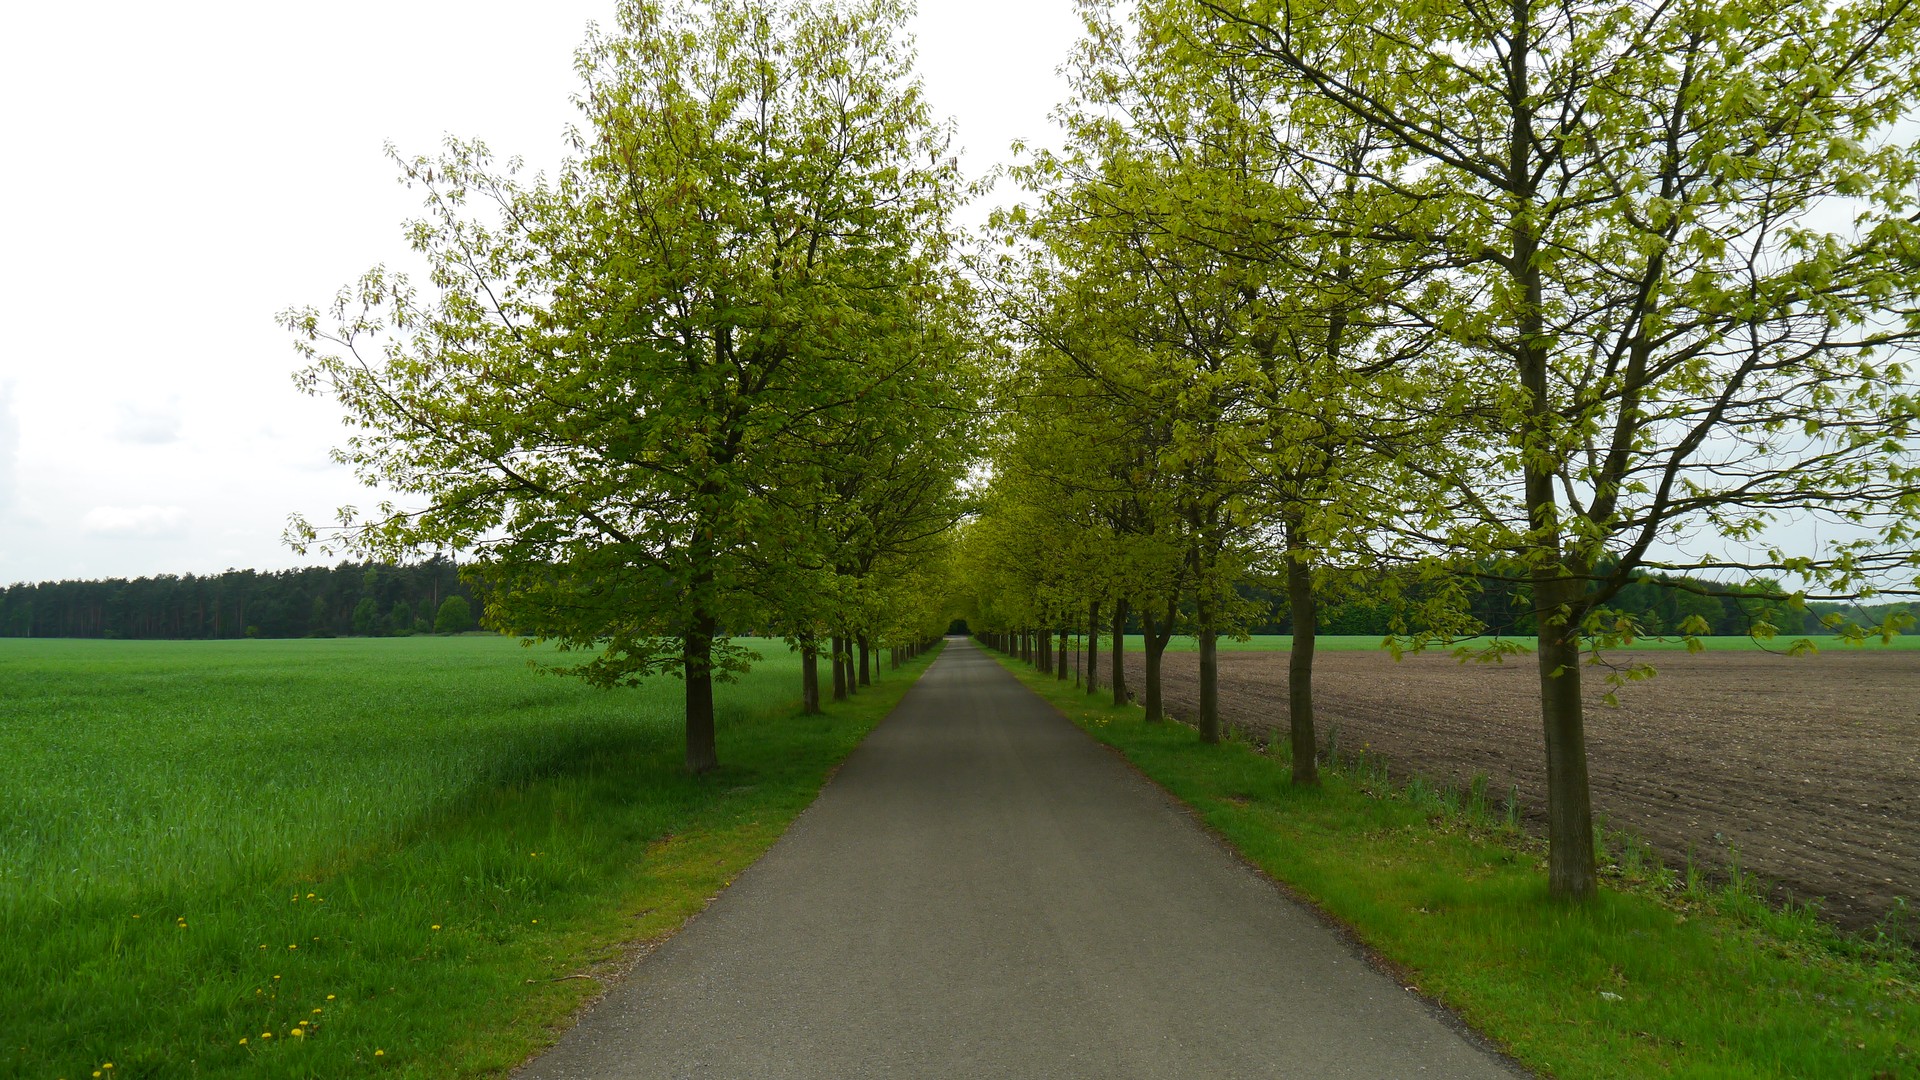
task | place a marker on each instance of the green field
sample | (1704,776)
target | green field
(1354,642)
(408,844)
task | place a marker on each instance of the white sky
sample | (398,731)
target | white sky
(174,174)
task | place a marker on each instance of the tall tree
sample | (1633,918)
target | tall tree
(1684,238)
(616,364)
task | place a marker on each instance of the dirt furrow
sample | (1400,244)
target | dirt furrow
(1807,767)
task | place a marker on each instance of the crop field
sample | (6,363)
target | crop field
(296,858)
(1802,770)
(1371,643)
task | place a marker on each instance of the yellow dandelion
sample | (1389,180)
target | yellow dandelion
(329,997)
(298,1032)
(108,1065)
(316,1012)
(436,926)
(379,1053)
(293,946)
(276,978)
(309,896)
(266,1034)
(96,1072)
(243,1040)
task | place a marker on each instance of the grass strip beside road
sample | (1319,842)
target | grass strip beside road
(482,844)
(1644,982)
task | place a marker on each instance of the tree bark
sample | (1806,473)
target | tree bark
(1158,634)
(1121,609)
(809,675)
(1306,767)
(866,670)
(696,657)
(1093,646)
(1060,669)
(1205,633)
(1571,872)
(839,645)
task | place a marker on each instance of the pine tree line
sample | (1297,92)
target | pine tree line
(353,598)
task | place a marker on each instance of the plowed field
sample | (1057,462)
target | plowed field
(1808,767)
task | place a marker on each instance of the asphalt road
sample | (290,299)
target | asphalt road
(984,891)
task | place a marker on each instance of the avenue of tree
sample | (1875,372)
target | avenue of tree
(1536,318)
(1399,306)
(717,372)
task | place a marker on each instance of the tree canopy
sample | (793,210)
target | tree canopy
(625,376)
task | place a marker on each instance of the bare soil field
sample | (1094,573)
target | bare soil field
(1808,767)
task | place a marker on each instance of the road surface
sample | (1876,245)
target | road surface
(984,891)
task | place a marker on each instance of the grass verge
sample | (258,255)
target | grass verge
(1644,982)
(360,858)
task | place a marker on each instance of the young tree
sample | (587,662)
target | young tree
(618,364)
(1684,237)
(454,617)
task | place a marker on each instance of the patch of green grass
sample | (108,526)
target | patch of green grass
(1656,978)
(1366,642)
(407,849)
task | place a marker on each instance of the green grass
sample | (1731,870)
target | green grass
(1662,976)
(410,844)
(1356,642)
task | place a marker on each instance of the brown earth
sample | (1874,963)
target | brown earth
(1807,767)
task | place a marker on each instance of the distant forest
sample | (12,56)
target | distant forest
(379,599)
(364,599)
(1659,604)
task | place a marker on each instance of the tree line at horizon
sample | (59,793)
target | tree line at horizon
(360,599)
(365,599)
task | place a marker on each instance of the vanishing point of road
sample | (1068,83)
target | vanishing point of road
(984,891)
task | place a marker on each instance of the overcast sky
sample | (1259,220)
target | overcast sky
(174,174)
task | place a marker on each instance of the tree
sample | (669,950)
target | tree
(366,617)
(454,617)
(620,364)
(1682,241)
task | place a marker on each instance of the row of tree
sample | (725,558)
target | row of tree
(363,598)
(1445,307)
(1418,306)
(1658,605)
(717,372)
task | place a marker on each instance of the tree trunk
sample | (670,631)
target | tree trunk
(1060,669)
(1571,874)
(1093,646)
(866,670)
(1306,769)
(1204,632)
(1157,635)
(1121,608)
(839,645)
(696,656)
(809,675)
